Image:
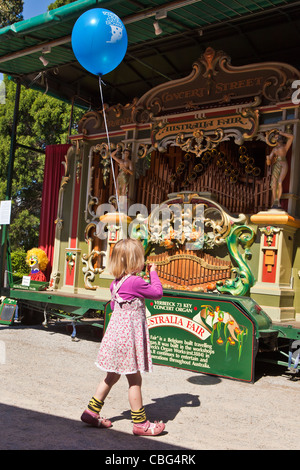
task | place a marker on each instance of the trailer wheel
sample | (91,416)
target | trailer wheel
(29,316)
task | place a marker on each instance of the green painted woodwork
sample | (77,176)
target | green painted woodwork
(210,333)
(240,235)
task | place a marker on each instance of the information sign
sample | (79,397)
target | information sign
(213,335)
(5,212)
(203,335)
(7,311)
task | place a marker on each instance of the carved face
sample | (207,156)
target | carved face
(280,140)
(126,154)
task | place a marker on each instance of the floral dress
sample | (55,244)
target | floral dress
(125,347)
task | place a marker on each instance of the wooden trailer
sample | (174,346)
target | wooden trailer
(185,170)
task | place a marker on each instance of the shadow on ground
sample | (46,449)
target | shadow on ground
(165,408)
(24,429)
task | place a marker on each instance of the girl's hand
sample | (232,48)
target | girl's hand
(152,267)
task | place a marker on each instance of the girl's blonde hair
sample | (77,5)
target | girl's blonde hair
(128,257)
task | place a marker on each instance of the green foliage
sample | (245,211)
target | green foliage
(18,263)
(59,3)
(42,121)
(10,12)
(24,231)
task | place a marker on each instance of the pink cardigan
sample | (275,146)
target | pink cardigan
(135,286)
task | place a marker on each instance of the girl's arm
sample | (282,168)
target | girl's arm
(153,290)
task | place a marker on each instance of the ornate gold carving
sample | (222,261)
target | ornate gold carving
(88,269)
(105,165)
(253,116)
(200,221)
(89,118)
(269,232)
(271,137)
(212,80)
(200,142)
(103,149)
(143,150)
(274,87)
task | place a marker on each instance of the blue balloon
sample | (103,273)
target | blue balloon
(99,41)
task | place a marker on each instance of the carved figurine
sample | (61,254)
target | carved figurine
(37,261)
(125,171)
(277,159)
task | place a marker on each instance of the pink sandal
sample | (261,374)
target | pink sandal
(93,419)
(148,429)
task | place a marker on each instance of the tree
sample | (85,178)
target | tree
(10,12)
(59,3)
(43,121)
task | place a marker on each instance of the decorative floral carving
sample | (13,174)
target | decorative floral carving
(200,142)
(105,160)
(269,232)
(187,218)
(70,258)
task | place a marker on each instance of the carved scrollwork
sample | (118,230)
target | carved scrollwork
(141,115)
(155,106)
(91,199)
(270,137)
(240,236)
(219,224)
(276,86)
(88,269)
(91,119)
(118,110)
(156,127)
(200,142)
(189,218)
(88,259)
(275,90)
(143,161)
(253,116)
(209,61)
(143,150)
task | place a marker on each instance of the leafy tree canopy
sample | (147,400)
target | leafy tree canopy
(59,3)
(43,120)
(10,12)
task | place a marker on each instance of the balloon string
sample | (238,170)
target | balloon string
(108,141)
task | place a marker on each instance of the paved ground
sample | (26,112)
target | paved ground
(46,381)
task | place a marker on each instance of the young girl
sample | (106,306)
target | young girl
(125,347)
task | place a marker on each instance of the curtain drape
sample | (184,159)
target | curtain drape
(54,171)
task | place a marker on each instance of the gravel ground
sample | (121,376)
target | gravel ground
(46,381)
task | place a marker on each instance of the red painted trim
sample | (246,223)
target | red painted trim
(266,275)
(70,275)
(75,214)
